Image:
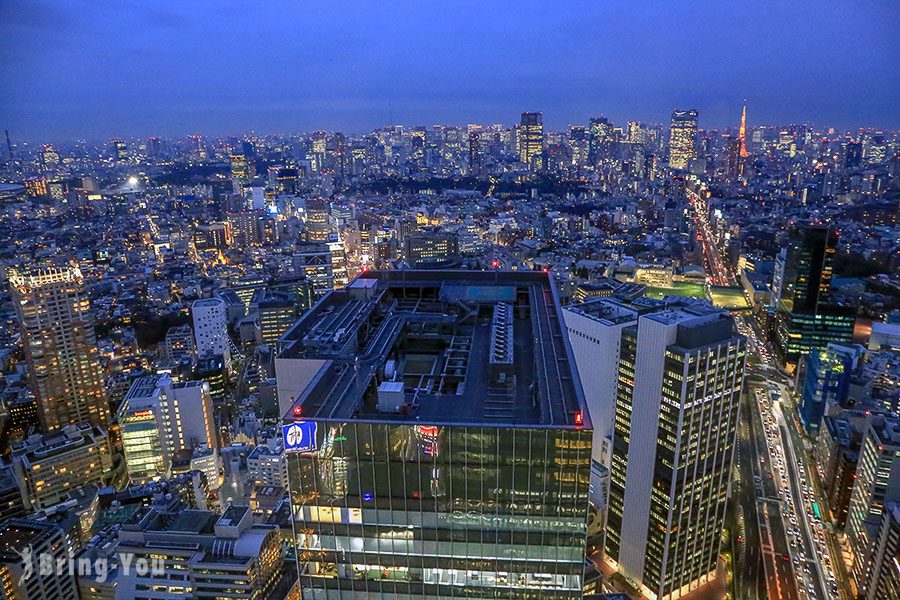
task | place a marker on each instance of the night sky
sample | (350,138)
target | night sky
(138,67)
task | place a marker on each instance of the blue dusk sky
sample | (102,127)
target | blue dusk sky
(138,67)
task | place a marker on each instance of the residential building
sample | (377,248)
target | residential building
(58,334)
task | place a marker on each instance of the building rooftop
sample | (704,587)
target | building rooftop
(441,347)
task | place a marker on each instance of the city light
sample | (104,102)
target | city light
(567,312)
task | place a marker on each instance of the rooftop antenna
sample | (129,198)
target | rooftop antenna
(391,113)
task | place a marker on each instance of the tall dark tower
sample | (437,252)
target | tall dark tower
(807,318)
(531,139)
(474,155)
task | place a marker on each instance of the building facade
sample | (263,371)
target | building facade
(877,482)
(531,139)
(680,374)
(48,466)
(806,318)
(24,540)
(159,418)
(210,319)
(682,136)
(60,346)
(437,439)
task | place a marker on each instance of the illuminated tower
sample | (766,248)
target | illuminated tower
(317,225)
(742,135)
(58,334)
(531,139)
(681,138)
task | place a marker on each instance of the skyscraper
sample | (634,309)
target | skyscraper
(317,226)
(595,332)
(437,440)
(883,582)
(58,333)
(314,262)
(241,169)
(877,483)
(680,374)
(600,136)
(474,154)
(682,133)
(531,139)
(118,150)
(806,318)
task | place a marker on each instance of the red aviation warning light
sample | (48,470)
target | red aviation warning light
(579,418)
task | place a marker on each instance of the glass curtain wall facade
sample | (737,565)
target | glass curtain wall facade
(426,511)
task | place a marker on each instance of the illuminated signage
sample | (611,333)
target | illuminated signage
(299,436)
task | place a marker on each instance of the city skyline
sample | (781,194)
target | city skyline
(165,71)
(449,300)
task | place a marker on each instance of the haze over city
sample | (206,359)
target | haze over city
(98,69)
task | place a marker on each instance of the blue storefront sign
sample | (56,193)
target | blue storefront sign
(299,436)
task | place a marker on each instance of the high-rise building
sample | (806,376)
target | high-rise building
(158,419)
(601,135)
(49,466)
(50,160)
(682,135)
(338,260)
(317,220)
(154,147)
(826,383)
(734,164)
(852,155)
(277,312)
(474,155)
(806,318)
(213,236)
(241,169)
(680,374)
(877,483)
(595,332)
(837,454)
(58,333)
(23,544)
(883,582)
(210,317)
(11,502)
(314,262)
(531,139)
(437,439)
(118,150)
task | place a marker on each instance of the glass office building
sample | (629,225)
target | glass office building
(806,317)
(441,511)
(445,450)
